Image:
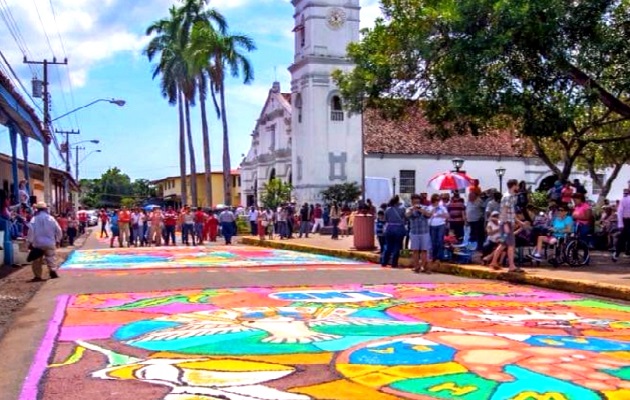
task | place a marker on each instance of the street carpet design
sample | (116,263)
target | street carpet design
(378,342)
(193,256)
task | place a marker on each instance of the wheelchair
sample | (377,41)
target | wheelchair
(569,250)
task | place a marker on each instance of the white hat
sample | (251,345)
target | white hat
(41,205)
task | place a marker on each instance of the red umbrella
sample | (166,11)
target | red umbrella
(450,181)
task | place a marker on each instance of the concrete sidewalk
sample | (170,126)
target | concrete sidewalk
(601,277)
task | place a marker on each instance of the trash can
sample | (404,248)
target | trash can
(363,229)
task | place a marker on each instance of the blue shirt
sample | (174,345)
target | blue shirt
(560,226)
(380,227)
(113,222)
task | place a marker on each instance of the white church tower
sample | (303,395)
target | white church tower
(327,141)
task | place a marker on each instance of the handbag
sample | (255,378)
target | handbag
(34,254)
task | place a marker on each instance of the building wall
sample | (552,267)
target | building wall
(172,187)
(531,170)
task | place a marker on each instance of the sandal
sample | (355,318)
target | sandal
(495,267)
(517,270)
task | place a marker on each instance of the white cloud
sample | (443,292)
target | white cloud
(92,31)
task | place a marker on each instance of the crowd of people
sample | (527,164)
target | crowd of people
(156,227)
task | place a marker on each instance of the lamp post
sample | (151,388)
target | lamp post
(394,185)
(77,148)
(117,102)
(458,163)
(500,172)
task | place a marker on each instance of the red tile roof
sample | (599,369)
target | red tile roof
(411,135)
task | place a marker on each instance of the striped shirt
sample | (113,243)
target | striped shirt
(508,208)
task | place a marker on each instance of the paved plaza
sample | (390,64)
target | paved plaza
(267,324)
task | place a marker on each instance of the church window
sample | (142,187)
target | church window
(336,109)
(298,105)
(272,137)
(407,181)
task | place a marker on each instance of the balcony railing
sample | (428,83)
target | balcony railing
(336,115)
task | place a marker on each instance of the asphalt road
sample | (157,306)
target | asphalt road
(322,355)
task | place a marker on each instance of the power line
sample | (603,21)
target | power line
(41,21)
(17,79)
(15,32)
(67,69)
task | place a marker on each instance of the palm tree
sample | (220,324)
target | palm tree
(172,68)
(228,57)
(200,26)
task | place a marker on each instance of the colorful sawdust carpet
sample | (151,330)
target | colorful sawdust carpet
(378,342)
(191,256)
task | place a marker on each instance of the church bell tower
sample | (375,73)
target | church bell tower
(327,140)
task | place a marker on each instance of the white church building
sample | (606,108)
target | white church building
(305,137)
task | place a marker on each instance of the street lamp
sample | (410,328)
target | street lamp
(458,163)
(77,148)
(117,102)
(500,172)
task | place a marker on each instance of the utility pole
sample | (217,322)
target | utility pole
(45,64)
(67,148)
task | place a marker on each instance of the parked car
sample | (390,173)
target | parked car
(92,217)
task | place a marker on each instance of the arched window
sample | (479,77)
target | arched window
(272,174)
(336,109)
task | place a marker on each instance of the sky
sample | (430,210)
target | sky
(103,41)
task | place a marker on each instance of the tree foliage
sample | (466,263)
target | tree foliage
(275,193)
(342,193)
(114,188)
(552,70)
(196,55)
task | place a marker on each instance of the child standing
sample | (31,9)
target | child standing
(380,230)
(343,224)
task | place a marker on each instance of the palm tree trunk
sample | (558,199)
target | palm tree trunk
(182,150)
(227,172)
(206,143)
(191,150)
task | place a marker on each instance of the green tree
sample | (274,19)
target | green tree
(128,202)
(142,189)
(275,193)
(172,68)
(229,58)
(552,70)
(342,193)
(204,40)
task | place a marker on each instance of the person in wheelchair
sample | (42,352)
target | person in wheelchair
(561,225)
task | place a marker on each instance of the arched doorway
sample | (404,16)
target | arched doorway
(547,183)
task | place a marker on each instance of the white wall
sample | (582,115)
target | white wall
(483,169)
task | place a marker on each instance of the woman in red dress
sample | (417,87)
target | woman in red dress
(211,227)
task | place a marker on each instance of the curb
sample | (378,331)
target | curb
(467,271)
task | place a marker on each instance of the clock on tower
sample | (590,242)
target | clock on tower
(327,145)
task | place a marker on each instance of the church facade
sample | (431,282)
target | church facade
(305,137)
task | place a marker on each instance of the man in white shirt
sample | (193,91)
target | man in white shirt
(623,223)
(44,233)
(253,220)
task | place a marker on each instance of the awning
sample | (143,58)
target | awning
(13,107)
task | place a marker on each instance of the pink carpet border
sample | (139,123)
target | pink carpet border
(30,388)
